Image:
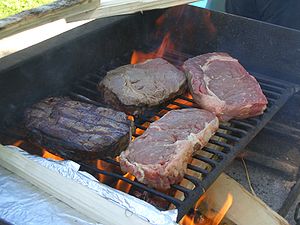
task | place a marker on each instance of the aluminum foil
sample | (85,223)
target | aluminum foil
(22,203)
(70,169)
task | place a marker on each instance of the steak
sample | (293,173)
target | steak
(135,88)
(160,155)
(220,84)
(77,130)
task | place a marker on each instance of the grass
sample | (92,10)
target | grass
(11,7)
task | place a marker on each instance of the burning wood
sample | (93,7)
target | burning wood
(246,209)
(211,217)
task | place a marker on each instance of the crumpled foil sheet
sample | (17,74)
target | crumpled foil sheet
(16,209)
(22,203)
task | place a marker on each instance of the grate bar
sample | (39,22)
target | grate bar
(218,153)
(223,146)
(197,169)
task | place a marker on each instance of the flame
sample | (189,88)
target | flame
(155,118)
(160,20)
(139,131)
(101,165)
(187,220)
(122,185)
(138,57)
(49,155)
(131,118)
(184,102)
(189,96)
(171,106)
(211,218)
(209,24)
(18,143)
(220,215)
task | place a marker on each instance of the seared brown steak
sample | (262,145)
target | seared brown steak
(134,88)
(160,155)
(220,84)
(77,130)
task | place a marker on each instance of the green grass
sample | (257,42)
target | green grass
(11,7)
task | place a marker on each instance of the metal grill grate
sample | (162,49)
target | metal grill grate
(228,141)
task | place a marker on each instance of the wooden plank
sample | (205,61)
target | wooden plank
(44,14)
(78,196)
(116,7)
(246,208)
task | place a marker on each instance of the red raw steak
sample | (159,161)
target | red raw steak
(160,155)
(220,84)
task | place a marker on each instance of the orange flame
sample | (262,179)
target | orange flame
(131,118)
(189,96)
(101,165)
(18,143)
(49,155)
(220,215)
(160,20)
(138,57)
(122,185)
(171,106)
(184,102)
(211,218)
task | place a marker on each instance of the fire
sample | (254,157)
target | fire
(171,106)
(18,143)
(189,96)
(210,218)
(184,102)
(131,118)
(49,155)
(101,165)
(122,185)
(220,215)
(138,57)
(139,131)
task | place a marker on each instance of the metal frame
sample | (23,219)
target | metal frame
(225,145)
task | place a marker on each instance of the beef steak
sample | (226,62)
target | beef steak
(77,130)
(220,84)
(134,88)
(160,155)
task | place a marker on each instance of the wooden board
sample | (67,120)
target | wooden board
(116,7)
(44,14)
(246,208)
(75,10)
(78,196)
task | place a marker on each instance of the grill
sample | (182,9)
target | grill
(108,43)
(228,141)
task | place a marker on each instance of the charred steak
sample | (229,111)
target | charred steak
(160,155)
(134,88)
(77,130)
(220,84)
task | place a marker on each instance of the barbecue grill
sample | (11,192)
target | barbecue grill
(74,62)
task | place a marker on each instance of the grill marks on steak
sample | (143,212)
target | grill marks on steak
(160,155)
(134,88)
(220,84)
(77,130)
